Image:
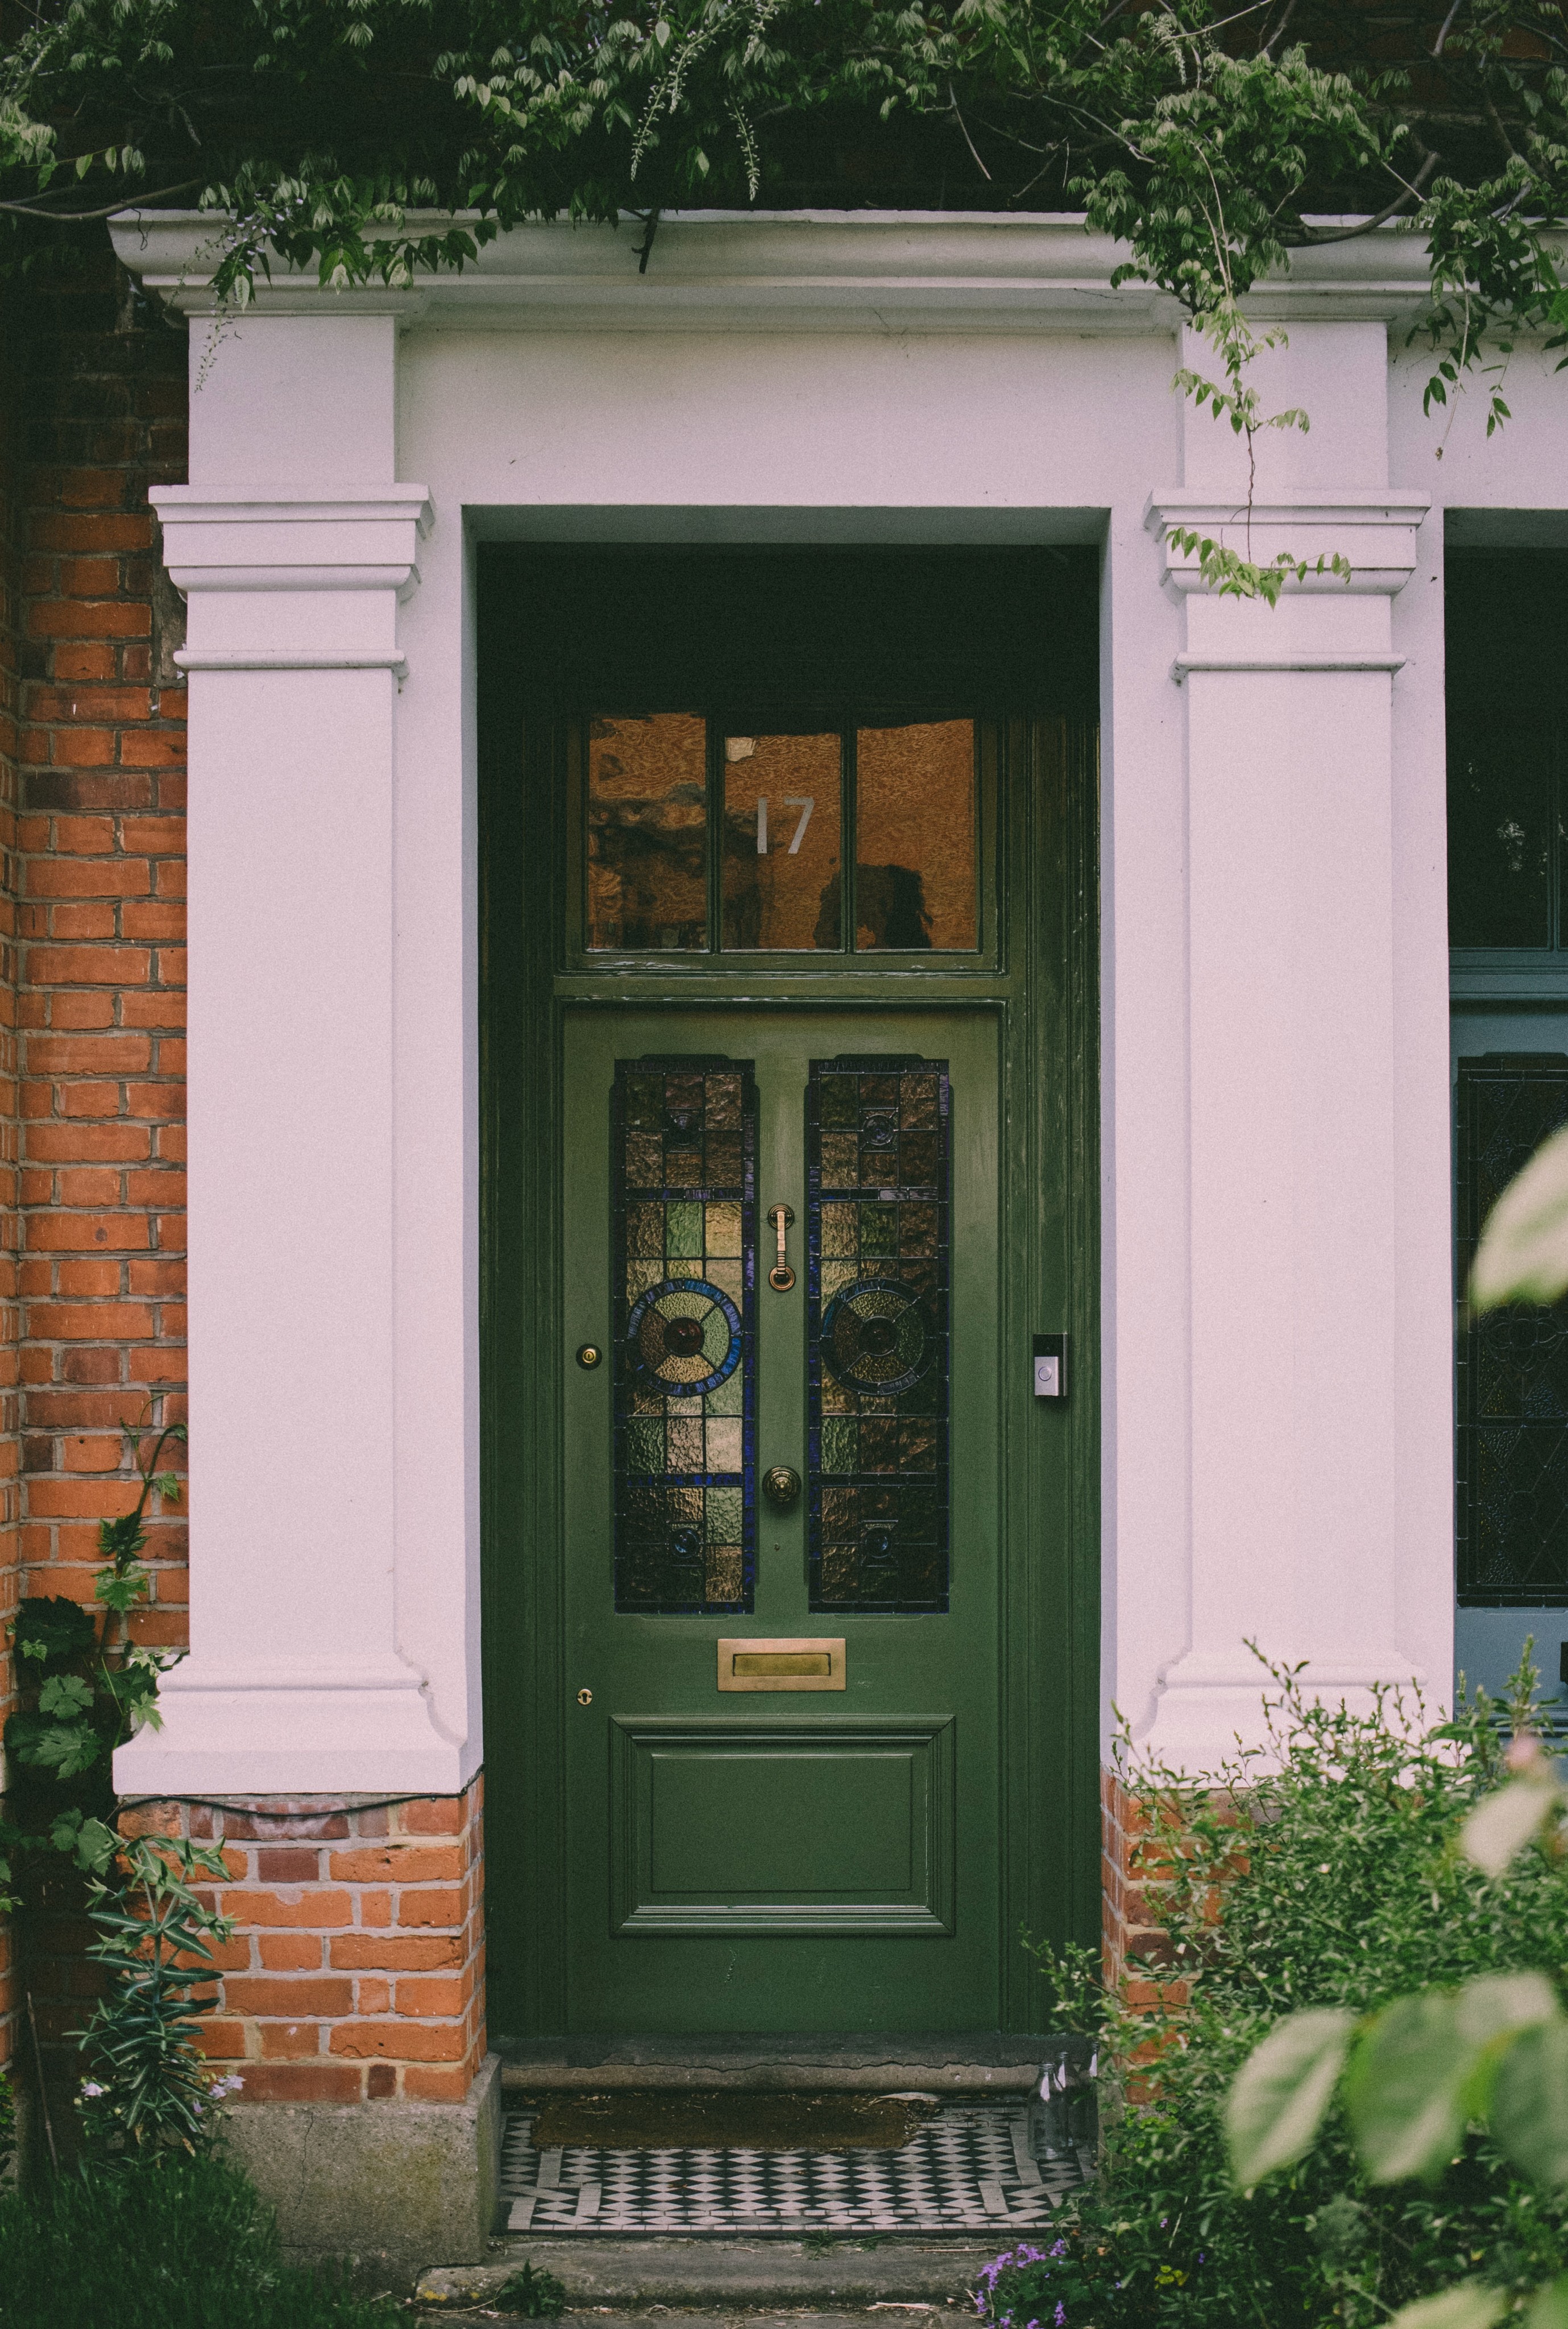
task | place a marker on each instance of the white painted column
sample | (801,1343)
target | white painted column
(1294,1535)
(294,544)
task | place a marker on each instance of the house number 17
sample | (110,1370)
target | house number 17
(804,802)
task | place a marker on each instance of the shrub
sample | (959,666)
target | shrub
(169,2242)
(1332,1857)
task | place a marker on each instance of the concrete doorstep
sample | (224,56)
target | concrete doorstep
(750,2276)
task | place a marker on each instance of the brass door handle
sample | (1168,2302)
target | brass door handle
(781,1277)
(781,1484)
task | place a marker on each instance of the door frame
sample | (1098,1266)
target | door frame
(1046,863)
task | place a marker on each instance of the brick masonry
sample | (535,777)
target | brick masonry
(11,501)
(356,1973)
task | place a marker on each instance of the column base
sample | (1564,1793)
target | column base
(359,1731)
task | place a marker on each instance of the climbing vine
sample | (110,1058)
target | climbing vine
(372,139)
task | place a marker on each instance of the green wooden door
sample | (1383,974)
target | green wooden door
(795,1857)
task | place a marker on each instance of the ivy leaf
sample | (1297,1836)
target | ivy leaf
(1471,2305)
(121,1590)
(66,1695)
(1529,2112)
(95,1847)
(1279,2099)
(66,1748)
(50,1630)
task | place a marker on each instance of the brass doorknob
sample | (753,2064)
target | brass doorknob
(782,1486)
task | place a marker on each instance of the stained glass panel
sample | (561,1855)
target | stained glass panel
(878,1266)
(683,1181)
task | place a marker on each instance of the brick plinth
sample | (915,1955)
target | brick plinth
(356,1973)
(1134,1859)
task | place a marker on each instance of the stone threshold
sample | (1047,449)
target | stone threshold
(960,2062)
(745,2276)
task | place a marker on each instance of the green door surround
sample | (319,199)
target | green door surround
(1036,998)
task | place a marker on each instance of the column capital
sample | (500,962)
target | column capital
(346,555)
(1375,528)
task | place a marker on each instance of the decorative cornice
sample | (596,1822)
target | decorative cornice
(819,270)
(293,577)
(1373,528)
(292,537)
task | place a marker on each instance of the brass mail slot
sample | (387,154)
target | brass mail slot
(809,1662)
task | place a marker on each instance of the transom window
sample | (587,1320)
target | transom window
(753,831)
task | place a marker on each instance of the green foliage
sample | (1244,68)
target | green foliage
(1424,2071)
(533,2295)
(1187,130)
(87,1687)
(1523,1255)
(175,2243)
(152,1932)
(1325,1878)
(7,2127)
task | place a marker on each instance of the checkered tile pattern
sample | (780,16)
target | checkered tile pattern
(969,2169)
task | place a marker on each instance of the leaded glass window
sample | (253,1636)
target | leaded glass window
(1513,1364)
(683,1184)
(877,1262)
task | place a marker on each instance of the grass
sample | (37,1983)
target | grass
(182,2244)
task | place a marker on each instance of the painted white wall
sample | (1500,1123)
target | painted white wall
(1276,1232)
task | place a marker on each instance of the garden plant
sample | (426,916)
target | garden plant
(1323,1874)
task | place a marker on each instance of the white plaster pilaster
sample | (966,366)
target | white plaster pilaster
(294,561)
(1296,1536)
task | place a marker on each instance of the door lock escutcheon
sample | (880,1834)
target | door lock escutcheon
(781,1277)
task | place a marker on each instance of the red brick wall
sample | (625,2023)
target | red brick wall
(101,841)
(357,1973)
(10,1319)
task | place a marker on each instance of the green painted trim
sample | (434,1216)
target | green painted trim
(1046,985)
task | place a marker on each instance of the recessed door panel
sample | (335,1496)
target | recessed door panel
(784,1453)
(823,1827)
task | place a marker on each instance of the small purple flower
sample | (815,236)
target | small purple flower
(1061,2317)
(1060,2249)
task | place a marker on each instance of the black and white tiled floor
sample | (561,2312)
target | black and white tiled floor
(969,2169)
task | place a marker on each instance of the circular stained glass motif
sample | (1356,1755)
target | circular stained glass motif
(874,1337)
(686,1335)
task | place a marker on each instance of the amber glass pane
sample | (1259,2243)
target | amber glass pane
(914,846)
(782,817)
(648,831)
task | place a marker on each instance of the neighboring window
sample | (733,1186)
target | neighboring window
(763,835)
(1506,624)
(1513,1365)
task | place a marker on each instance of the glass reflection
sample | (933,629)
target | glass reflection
(1498,836)
(782,821)
(648,831)
(914,846)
